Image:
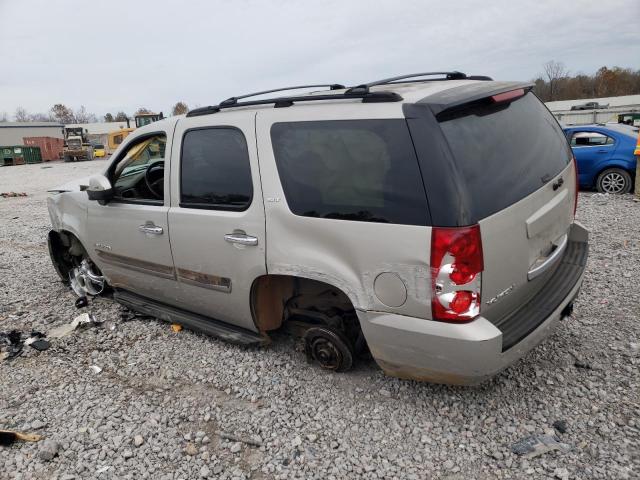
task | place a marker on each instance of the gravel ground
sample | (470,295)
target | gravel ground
(158,406)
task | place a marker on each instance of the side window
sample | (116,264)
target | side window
(117,139)
(590,139)
(215,172)
(139,172)
(361,170)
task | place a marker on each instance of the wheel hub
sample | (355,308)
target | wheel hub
(326,353)
(613,183)
(84,281)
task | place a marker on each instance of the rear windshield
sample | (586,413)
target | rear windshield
(359,170)
(504,152)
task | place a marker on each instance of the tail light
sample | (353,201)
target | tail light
(456,273)
(575,200)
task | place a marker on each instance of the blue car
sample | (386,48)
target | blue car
(605,156)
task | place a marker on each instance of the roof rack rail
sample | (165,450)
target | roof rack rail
(454,75)
(281,102)
(234,100)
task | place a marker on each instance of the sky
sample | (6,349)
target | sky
(111,56)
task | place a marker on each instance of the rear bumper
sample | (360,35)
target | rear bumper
(467,354)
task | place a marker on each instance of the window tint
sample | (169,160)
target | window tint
(364,170)
(504,152)
(590,139)
(215,170)
(139,172)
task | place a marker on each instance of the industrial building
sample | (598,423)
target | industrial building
(616,106)
(13,133)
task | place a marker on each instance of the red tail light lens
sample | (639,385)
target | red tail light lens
(456,271)
(508,96)
(575,201)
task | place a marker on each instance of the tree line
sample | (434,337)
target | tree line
(63,114)
(556,83)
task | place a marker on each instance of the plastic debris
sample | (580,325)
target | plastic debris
(84,320)
(95,369)
(82,302)
(176,327)
(11,343)
(7,437)
(537,445)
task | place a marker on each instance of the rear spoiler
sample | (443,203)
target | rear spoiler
(471,93)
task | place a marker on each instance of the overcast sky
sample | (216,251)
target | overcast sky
(112,56)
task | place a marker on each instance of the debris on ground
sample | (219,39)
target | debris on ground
(84,320)
(12,194)
(7,437)
(253,441)
(81,302)
(10,344)
(176,327)
(536,445)
(95,369)
(561,426)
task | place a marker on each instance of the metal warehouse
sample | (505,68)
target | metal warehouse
(13,133)
(616,106)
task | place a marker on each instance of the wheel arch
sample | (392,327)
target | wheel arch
(271,292)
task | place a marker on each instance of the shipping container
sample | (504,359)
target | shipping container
(20,154)
(50,147)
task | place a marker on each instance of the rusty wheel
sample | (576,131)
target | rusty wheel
(330,348)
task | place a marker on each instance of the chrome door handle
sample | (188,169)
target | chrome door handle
(241,238)
(149,227)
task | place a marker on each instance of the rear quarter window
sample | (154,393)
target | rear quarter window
(360,170)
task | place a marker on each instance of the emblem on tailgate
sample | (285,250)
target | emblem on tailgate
(503,293)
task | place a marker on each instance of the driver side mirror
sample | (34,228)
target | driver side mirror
(100,189)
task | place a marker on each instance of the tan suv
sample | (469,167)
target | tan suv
(427,218)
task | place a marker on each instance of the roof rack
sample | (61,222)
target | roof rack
(281,102)
(454,75)
(234,100)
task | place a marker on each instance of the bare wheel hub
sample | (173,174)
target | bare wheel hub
(330,348)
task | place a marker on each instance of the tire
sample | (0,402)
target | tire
(615,181)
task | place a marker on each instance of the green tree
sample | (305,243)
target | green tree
(120,117)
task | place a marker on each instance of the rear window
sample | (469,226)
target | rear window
(361,170)
(504,152)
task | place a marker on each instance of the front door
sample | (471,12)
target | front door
(129,236)
(217,216)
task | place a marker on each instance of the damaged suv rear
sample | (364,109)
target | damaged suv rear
(429,221)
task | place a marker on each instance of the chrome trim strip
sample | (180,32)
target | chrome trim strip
(204,280)
(143,266)
(550,260)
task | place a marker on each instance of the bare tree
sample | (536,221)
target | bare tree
(40,117)
(21,115)
(63,114)
(555,72)
(142,110)
(108,118)
(179,108)
(82,116)
(4,117)
(120,117)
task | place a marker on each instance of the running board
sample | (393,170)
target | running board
(193,321)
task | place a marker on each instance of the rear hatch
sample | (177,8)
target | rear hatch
(511,173)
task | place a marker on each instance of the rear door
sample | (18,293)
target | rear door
(517,182)
(217,215)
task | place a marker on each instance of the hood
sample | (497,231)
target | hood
(73,186)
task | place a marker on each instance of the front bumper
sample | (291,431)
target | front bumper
(467,354)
